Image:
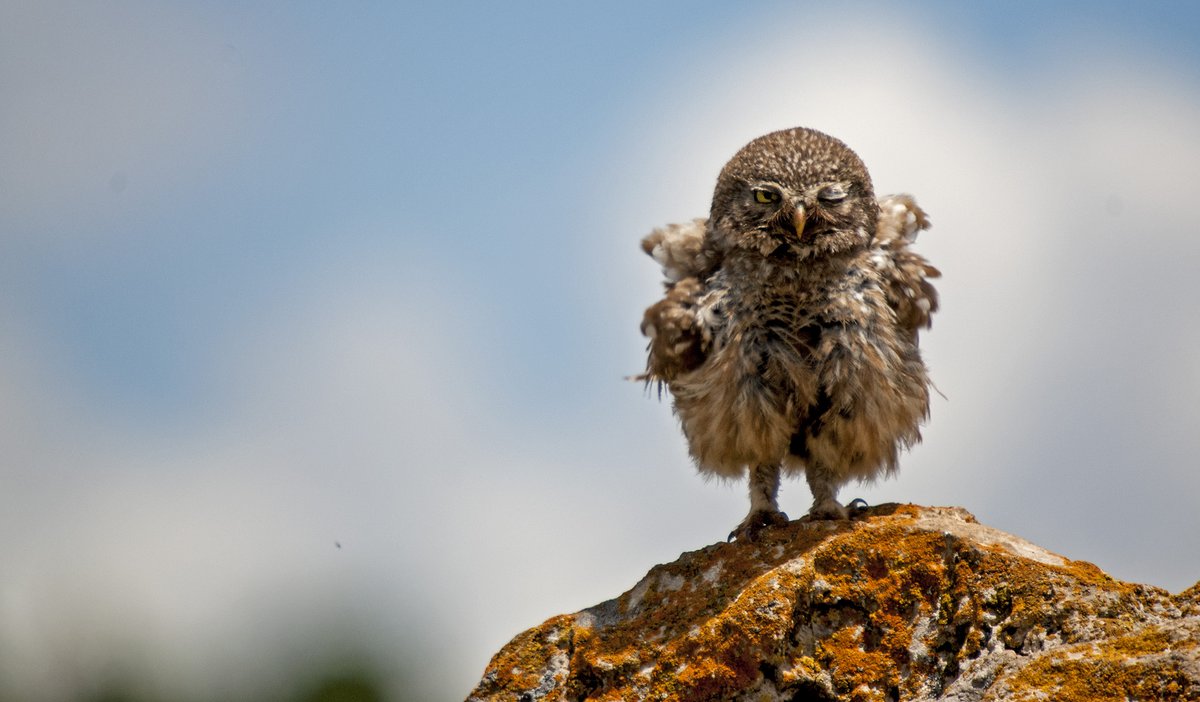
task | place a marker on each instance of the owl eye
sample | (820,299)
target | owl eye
(831,194)
(765,196)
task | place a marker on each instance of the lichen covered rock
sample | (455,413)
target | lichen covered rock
(907,603)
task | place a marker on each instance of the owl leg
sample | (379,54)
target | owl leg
(824,485)
(764,509)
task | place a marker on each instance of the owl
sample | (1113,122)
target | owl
(787,334)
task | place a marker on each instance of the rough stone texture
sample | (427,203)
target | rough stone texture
(907,603)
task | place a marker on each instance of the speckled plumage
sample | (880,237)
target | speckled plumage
(788,332)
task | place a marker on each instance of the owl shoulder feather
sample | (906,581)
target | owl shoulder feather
(905,272)
(680,250)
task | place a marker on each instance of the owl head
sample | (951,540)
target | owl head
(795,192)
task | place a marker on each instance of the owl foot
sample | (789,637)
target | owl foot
(755,522)
(827,509)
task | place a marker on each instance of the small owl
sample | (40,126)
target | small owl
(787,334)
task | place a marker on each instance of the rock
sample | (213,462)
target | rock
(906,603)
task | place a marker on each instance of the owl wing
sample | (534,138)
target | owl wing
(679,341)
(905,272)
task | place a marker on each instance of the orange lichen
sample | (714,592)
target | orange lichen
(522,663)
(1130,667)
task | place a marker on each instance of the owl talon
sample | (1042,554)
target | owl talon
(755,522)
(857,508)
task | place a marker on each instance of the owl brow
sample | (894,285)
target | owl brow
(848,185)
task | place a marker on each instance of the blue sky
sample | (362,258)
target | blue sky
(278,275)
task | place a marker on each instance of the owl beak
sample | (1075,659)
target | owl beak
(799,219)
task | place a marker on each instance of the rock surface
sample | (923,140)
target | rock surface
(906,603)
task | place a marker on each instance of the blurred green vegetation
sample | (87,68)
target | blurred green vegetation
(356,686)
(356,683)
(308,651)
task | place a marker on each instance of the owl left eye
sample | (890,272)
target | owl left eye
(765,196)
(831,194)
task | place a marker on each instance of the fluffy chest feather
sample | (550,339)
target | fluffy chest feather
(788,345)
(778,324)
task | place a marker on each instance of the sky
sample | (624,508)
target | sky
(315,320)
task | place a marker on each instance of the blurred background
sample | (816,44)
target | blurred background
(314,318)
